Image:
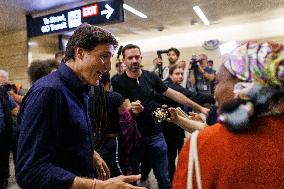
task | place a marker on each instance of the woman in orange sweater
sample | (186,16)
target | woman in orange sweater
(244,150)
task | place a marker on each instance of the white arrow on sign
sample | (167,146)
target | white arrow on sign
(108,11)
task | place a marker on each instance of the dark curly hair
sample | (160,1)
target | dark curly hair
(177,52)
(88,37)
(40,68)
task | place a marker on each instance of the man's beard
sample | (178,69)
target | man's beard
(171,61)
(134,67)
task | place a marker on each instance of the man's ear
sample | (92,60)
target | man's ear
(79,53)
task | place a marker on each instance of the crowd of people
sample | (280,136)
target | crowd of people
(77,127)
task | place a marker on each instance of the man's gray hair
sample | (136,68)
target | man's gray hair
(4,73)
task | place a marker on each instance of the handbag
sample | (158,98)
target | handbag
(193,162)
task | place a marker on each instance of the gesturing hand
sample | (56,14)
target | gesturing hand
(136,107)
(120,182)
(101,166)
(173,115)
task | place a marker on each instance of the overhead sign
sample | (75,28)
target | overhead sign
(105,12)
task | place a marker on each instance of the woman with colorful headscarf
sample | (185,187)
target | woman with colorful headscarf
(245,149)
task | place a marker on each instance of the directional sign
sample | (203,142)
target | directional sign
(108,11)
(105,12)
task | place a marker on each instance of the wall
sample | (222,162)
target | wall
(43,47)
(186,53)
(14,55)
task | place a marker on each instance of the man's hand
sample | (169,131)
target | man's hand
(157,62)
(136,107)
(204,110)
(120,182)
(190,66)
(101,166)
(200,69)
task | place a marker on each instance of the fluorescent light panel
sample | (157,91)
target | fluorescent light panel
(201,15)
(134,11)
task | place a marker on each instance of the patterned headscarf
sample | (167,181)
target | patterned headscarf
(260,67)
(262,63)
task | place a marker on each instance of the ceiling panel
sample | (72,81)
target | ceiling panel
(172,15)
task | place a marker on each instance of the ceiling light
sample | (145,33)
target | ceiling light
(134,11)
(31,43)
(201,15)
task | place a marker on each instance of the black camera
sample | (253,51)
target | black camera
(119,52)
(160,52)
(160,66)
(7,87)
(193,61)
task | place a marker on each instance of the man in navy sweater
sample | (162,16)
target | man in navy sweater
(55,148)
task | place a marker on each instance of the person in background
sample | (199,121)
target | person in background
(120,69)
(244,150)
(8,112)
(210,64)
(174,135)
(173,56)
(109,121)
(40,68)
(139,88)
(59,56)
(201,77)
(182,64)
(36,70)
(56,144)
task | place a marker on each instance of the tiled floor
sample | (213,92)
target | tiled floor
(12,179)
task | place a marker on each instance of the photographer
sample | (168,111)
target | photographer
(8,107)
(163,71)
(8,88)
(120,69)
(201,77)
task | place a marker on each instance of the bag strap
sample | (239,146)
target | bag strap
(193,161)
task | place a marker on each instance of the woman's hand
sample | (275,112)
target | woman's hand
(204,110)
(174,117)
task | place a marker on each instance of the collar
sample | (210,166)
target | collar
(140,74)
(71,79)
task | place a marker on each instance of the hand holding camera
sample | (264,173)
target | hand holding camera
(194,62)
(157,62)
(8,86)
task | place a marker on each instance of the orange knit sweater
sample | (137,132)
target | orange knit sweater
(248,160)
